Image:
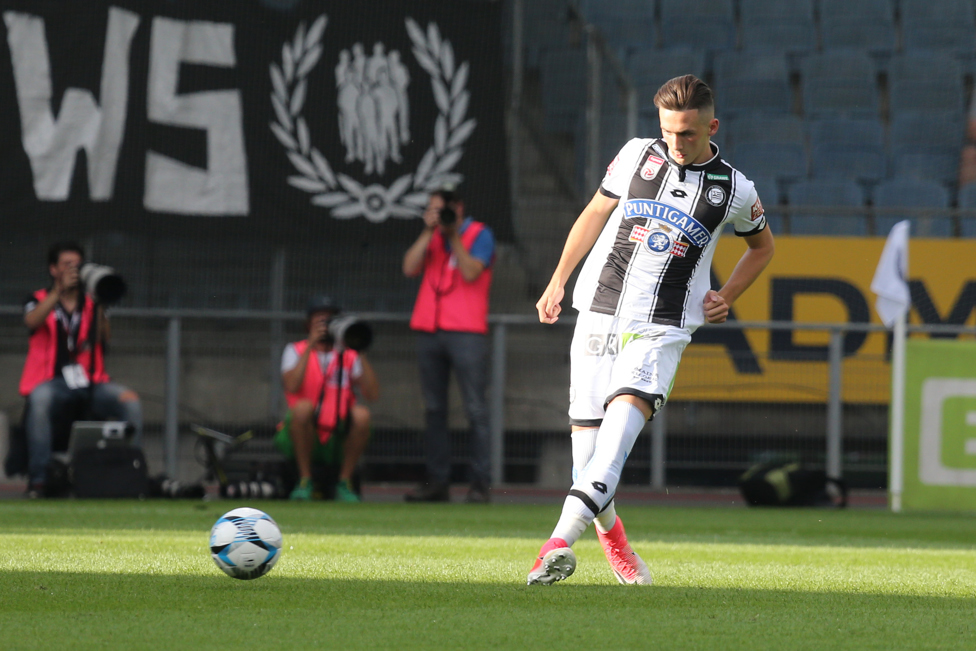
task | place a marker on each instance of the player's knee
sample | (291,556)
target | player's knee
(361,417)
(128,396)
(302,412)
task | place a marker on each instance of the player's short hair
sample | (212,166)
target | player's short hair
(685,93)
(54,253)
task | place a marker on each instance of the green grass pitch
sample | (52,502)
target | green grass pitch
(133,575)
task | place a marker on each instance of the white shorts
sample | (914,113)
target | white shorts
(610,356)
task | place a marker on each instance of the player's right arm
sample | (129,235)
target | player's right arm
(581,238)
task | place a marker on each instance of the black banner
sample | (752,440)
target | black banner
(286,122)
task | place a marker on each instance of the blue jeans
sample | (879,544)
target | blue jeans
(48,403)
(467,354)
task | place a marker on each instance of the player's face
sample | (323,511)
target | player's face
(687,134)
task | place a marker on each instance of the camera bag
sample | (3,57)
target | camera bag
(109,472)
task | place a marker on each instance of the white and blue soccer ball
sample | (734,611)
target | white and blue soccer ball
(245,543)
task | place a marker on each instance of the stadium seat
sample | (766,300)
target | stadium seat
(947,25)
(926,145)
(708,24)
(785,129)
(650,68)
(711,33)
(832,193)
(839,84)
(780,161)
(595,9)
(672,9)
(774,26)
(901,192)
(751,84)
(546,27)
(967,201)
(925,81)
(625,34)
(864,25)
(563,75)
(847,149)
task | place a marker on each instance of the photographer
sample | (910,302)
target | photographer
(321,402)
(454,253)
(64,375)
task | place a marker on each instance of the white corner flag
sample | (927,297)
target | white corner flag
(891,277)
(894,300)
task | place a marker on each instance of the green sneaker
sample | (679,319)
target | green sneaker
(345,493)
(302,492)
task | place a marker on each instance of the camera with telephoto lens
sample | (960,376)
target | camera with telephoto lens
(102,282)
(349,331)
(447,216)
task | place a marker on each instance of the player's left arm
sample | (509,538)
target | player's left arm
(751,264)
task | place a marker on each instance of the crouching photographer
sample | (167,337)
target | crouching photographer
(321,376)
(64,376)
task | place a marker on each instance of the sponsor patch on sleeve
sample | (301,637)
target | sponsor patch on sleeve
(757,210)
(612,165)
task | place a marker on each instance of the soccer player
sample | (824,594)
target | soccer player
(650,230)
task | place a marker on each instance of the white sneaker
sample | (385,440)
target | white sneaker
(555,565)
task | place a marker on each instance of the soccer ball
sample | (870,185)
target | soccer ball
(245,543)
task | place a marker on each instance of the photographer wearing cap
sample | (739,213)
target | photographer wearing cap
(454,253)
(324,423)
(64,374)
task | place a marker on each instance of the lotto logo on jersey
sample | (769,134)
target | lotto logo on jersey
(757,210)
(651,167)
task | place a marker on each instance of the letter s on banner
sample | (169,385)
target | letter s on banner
(173,186)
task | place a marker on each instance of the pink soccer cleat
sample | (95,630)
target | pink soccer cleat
(556,561)
(627,566)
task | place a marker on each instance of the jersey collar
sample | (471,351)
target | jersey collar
(711,163)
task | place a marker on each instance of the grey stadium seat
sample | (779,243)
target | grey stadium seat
(947,25)
(926,145)
(778,26)
(781,129)
(650,68)
(967,201)
(672,9)
(865,25)
(839,84)
(708,24)
(829,192)
(911,193)
(563,73)
(752,83)
(925,81)
(848,149)
(780,161)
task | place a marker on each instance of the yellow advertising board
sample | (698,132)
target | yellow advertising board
(820,280)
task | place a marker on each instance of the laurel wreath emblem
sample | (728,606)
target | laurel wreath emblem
(407,196)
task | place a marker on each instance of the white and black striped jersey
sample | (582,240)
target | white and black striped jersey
(651,261)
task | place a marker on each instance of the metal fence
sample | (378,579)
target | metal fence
(221,369)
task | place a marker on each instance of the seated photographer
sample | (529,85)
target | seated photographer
(62,379)
(324,423)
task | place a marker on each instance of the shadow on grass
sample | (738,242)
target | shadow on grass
(46,609)
(644,523)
